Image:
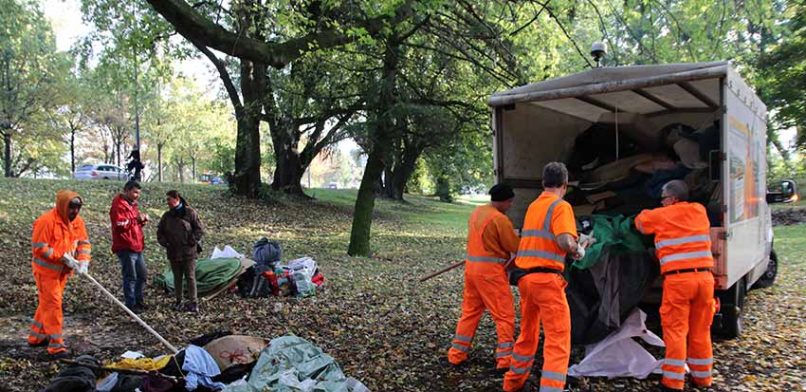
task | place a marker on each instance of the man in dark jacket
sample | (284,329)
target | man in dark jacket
(180,231)
(127,243)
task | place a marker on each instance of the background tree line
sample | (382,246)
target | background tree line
(405,80)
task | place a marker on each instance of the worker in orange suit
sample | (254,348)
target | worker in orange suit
(683,246)
(491,240)
(549,234)
(60,246)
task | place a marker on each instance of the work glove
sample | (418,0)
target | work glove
(83,268)
(69,261)
(586,240)
(580,252)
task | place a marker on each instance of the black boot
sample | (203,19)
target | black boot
(192,307)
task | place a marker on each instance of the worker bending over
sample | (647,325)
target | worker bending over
(549,233)
(683,246)
(60,245)
(491,240)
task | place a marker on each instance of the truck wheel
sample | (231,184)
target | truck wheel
(768,278)
(732,310)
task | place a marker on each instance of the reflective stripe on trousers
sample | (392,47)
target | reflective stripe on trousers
(504,350)
(673,375)
(697,361)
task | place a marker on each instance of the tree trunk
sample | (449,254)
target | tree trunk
(246,179)
(397,185)
(159,162)
(444,189)
(193,168)
(380,137)
(290,169)
(7,153)
(72,151)
(117,153)
(107,151)
(382,185)
(180,168)
(396,179)
(364,205)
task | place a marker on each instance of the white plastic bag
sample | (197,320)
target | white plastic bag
(228,252)
(305,264)
(618,355)
(302,270)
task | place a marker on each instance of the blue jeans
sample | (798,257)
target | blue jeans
(133,266)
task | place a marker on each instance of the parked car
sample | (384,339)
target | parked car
(99,172)
(211,179)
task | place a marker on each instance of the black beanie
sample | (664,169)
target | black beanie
(501,192)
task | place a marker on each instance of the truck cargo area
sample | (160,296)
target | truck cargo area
(623,132)
(618,146)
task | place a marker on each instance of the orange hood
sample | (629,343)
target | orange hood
(63,198)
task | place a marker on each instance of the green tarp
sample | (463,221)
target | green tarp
(292,364)
(211,274)
(617,232)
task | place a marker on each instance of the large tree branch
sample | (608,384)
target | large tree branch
(196,27)
(219,65)
(334,135)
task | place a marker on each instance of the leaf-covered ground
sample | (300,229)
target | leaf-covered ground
(381,325)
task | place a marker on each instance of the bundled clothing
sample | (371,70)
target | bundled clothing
(180,231)
(55,235)
(490,241)
(683,247)
(200,368)
(78,377)
(291,363)
(267,252)
(609,281)
(128,244)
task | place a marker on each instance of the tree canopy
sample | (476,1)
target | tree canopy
(406,80)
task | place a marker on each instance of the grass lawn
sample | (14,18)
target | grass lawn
(383,326)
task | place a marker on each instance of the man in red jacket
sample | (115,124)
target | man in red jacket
(127,243)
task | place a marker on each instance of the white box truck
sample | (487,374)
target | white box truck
(633,107)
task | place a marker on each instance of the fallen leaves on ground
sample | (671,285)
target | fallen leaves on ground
(383,326)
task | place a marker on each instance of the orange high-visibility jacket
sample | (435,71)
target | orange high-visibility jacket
(490,240)
(547,217)
(682,235)
(54,235)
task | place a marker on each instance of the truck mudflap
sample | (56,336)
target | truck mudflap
(728,319)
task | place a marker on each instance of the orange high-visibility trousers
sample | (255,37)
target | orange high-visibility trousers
(686,313)
(482,291)
(542,300)
(48,320)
